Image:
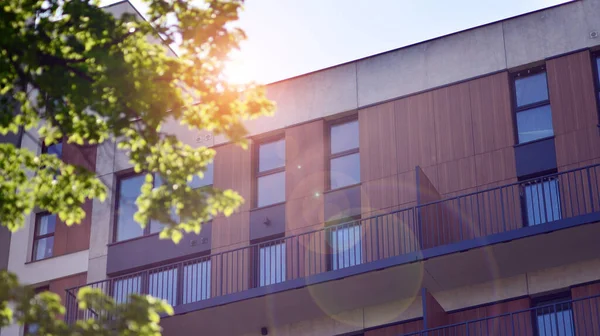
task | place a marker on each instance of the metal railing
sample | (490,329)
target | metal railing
(466,217)
(564,318)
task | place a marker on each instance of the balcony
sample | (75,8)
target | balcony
(579,316)
(415,244)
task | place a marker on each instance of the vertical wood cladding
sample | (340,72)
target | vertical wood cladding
(397,329)
(453,122)
(434,314)
(305,175)
(503,325)
(574,110)
(586,313)
(377,142)
(74,238)
(59,286)
(233,170)
(491,113)
(571,85)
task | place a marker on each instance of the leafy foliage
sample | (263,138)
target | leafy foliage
(76,73)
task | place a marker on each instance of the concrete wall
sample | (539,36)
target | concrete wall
(495,47)
(352,321)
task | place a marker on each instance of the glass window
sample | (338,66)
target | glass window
(272,264)
(271,189)
(54,149)
(555,320)
(346,246)
(535,123)
(345,171)
(344,137)
(43,238)
(207,180)
(344,164)
(531,89)
(123,288)
(163,284)
(542,201)
(271,173)
(196,281)
(271,155)
(129,190)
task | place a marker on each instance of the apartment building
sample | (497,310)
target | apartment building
(451,187)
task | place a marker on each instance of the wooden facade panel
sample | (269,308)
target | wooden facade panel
(233,170)
(74,238)
(231,271)
(456,175)
(305,160)
(377,142)
(578,146)
(453,122)
(232,230)
(579,192)
(304,212)
(306,253)
(571,86)
(397,329)
(83,156)
(435,315)
(415,132)
(519,323)
(495,166)
(492,114)
(586,312)
(59,286)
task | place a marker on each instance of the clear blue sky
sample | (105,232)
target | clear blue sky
(292,37)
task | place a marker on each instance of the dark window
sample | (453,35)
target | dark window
(54,149)
(270,177)
(43,237)
(163,284)
(128,191)
(32,328)
(196,281)
(344,160)
(346,245)
(124,287)
(271,261)
(541,199)
(554,317)
(532,105)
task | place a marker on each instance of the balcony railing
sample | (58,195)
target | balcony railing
(562,199)
(565,318)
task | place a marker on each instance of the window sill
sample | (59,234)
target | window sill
(267,206)
(533,141)
(342,188)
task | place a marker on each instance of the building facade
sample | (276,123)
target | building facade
(451,187)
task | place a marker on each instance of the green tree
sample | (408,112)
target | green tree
(76,73)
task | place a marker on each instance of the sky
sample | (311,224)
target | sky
(287,38)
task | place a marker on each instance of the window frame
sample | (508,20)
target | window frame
(36,238)
(595,60)
(514,104)
(129,173)
(280,246)
(331,156)
(258,173)
(126,174)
